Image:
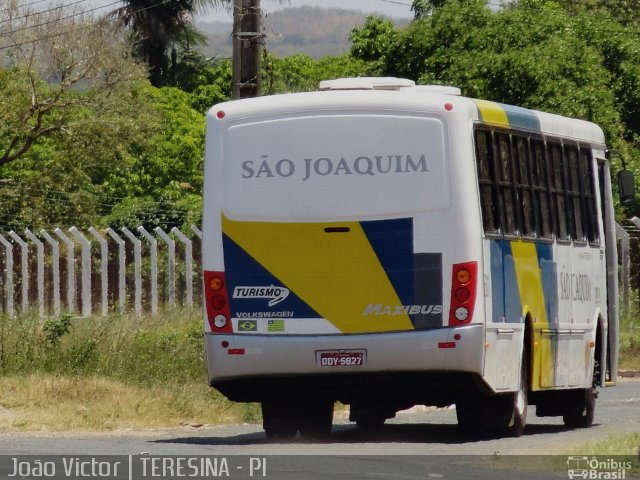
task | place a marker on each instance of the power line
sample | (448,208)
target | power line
(83,27)
(397,3)
(24,5)
(98,208)
(40,12)
(83,12)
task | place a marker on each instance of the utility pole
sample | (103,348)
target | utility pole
(247,40)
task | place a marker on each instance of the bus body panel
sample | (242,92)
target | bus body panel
(408,352)
(338,219)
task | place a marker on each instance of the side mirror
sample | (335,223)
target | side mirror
(626,187)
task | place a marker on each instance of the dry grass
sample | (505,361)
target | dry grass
(38,402)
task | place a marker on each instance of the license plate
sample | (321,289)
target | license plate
(341,358)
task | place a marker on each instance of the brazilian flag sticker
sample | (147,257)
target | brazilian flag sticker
(248,325)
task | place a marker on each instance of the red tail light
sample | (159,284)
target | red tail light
(463,293)
(216,298)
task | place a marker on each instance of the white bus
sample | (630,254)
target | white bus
(387,245)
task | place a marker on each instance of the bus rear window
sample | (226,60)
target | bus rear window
(335,166)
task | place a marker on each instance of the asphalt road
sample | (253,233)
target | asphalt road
(421,443)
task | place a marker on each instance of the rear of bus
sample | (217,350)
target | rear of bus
(334,252)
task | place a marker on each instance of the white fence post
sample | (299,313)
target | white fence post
(24,256)
(171,254)
(47,249)
(40,274)
(122,267)
(8,250)
(104,271)
(71,270)
(137,260)
(153,252)
(55,266)
(85,252)
(188,263)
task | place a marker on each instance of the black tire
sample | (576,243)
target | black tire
(502,414)
(470,417)
(584,413)
(370,421)
(279,420)
(316,420)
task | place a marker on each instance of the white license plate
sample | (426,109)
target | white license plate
(341,358)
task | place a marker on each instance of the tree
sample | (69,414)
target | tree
(301,73)
(423,8)
(581,61)
(56,67)
(157,26)
(161,184)
(142,167)
(375,41)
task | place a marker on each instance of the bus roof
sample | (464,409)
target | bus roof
(389,92)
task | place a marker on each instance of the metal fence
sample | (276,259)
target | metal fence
(122,271)
(99,272)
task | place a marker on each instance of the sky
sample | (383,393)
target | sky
(391,8)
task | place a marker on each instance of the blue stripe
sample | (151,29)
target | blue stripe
(521,118)
(506,303)
(549,279)
(244,270)
(392,240)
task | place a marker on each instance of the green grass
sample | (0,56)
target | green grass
(151,366)
(154,366)
(143,351)
(630,342)
(627,444)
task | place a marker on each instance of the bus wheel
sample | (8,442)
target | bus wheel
(316,419)
(582,415)
(279,419)
(511,411)
(370,417)
(519,404)
(370,421)
(470,417)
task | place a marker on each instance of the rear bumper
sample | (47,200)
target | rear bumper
(406,364)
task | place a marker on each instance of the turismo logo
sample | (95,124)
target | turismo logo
(273,293)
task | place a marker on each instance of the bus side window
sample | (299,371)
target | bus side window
(556,167)
(591,213)
(505,184)
(575,195)
(486,180)
(525,204)
(540,181)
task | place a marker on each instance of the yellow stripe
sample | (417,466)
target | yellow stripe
(529,277)
(337,275)
(492,113)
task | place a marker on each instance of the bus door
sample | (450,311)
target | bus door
(610,249)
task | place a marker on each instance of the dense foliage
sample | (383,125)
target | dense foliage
(111,149)
(571,58)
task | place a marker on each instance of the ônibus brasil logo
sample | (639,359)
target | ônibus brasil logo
(275,294)
(597,468)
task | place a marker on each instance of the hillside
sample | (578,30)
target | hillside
(315,31)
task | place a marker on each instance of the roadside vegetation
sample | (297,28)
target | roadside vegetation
(107,373)
(628,444)
(122,372)
(630,339)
